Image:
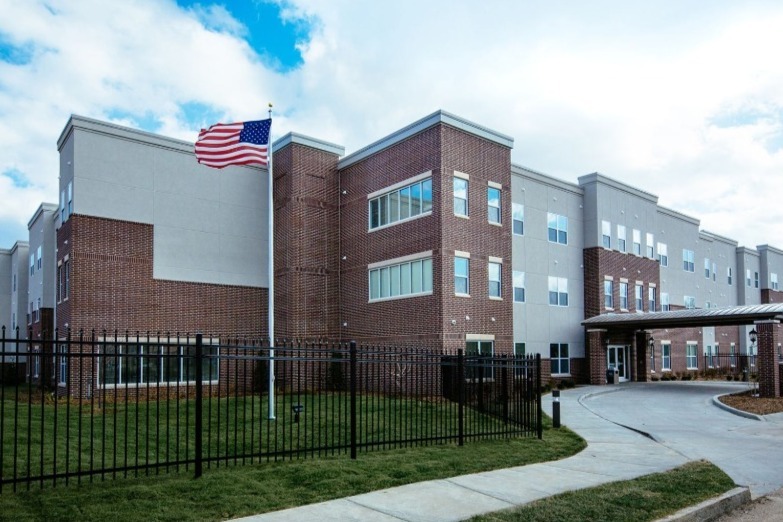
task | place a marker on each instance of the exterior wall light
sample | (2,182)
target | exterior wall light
(753,336)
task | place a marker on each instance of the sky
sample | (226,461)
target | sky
(680,98)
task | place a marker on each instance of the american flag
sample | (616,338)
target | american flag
(243,143)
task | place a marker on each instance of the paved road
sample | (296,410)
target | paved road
(681,416)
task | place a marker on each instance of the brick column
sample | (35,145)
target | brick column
(596,356)
(767,359)
(642,341)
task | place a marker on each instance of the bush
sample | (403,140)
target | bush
(729,377)
(654,378)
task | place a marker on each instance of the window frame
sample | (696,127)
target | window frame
(663,254)
(622,236)
(518,276)
(559,359)
(385,202)
(518,216)
(608,294)
(457,180)
(491,280)
(560,229)
(606,234)
(637,242)
(666,356)
(560,292)
(387,270)
(623,295)
(691,355)
(650,245)
(460,276)
(639,297)
(688,260)
(494,214)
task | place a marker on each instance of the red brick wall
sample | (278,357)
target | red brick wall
(306,243)
(111,287)
(769,296)
(600,262)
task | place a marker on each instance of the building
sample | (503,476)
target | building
(429,237)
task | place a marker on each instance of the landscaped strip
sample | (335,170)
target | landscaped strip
(244,490)
(646,498)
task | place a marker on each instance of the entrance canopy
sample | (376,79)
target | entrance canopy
(729,316)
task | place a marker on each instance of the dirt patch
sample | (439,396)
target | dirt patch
(746,402)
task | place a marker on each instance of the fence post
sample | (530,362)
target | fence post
(539,418)
(461,396)
(199,400)
(353,400)
(504,390)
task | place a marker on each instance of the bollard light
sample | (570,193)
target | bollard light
(555,408)
(297,409)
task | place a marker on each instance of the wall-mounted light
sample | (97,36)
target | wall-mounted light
(345,324)
(345,192)
(651,342)
(345,257)
(492,319)
(467,318)
(453,322)
(753,336)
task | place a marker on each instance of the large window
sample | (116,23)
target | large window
(460,197)
(558,291)
(401,204)
(606,234)
(559,358)
(663,254)
(621,238)
(149,363)
(688,260)
(623,296)
(518,217)
(557,228)
(519,287)
(494,270)
(691,361)
(666,356)
(608,297)
(410,278)
(689,301)
(462,276)
(493,205)
(639,298)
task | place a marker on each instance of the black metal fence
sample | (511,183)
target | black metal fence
(91,407)
(740,366)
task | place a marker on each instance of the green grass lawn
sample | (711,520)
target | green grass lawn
(646,498)
(234,491)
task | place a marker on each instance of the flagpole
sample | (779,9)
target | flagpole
(271,289)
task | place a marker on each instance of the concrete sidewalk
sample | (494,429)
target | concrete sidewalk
(613,453)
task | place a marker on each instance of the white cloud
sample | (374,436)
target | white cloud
(682,99)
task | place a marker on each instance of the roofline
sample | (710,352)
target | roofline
(525,172)
(597,177)
(51,207)
(747,250)
(770,248)
(19,244)
(679,215)
(307,141)
(716,237)
(728,316)
(421,125)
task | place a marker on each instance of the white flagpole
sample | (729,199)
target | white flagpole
(271,290)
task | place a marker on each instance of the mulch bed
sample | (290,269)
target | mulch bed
(746,402)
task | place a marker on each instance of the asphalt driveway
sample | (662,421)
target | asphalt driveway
(682,416)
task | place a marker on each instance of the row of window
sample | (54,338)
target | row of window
(559,355)
(711,353)
(63,280)
(410,278)
(462,277)
(401,204)
(636,236)
(638,294)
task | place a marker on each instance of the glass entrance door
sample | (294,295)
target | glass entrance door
(617,357)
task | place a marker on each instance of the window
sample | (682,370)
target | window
(624,296)
(36,364)
(708,356)
(558,357)
(728,275)
(637,242)
(14,282)
(664,302)
(30,314)
(519,352)
(410,278)
(59,284)
(706,268)
(493,205)
(13,320)
(67,272)
(401,204)
(460,197)
(38,309)
(62,370)
(475,367)
(639,298)
(32,264)
(462,276)
(666,356)
(608,298)
(773,281)
(690,356)
(651,301)
(688,260)
(663,254)
(621,238)
(747,277)
(70,198)
(38,257)
(690,302)
(733,355)
(756,279)
(714,271)
(650,246)
(519,287)
(518,217)
(493,269)
(557,226)
(148,363)
(62,206)
(606,234)
(558,291)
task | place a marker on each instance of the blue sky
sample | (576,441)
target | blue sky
(681,98)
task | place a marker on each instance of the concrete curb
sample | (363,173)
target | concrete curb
(716,401)
(712,508)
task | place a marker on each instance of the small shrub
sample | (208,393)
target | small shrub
(654,378)
(729,377)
